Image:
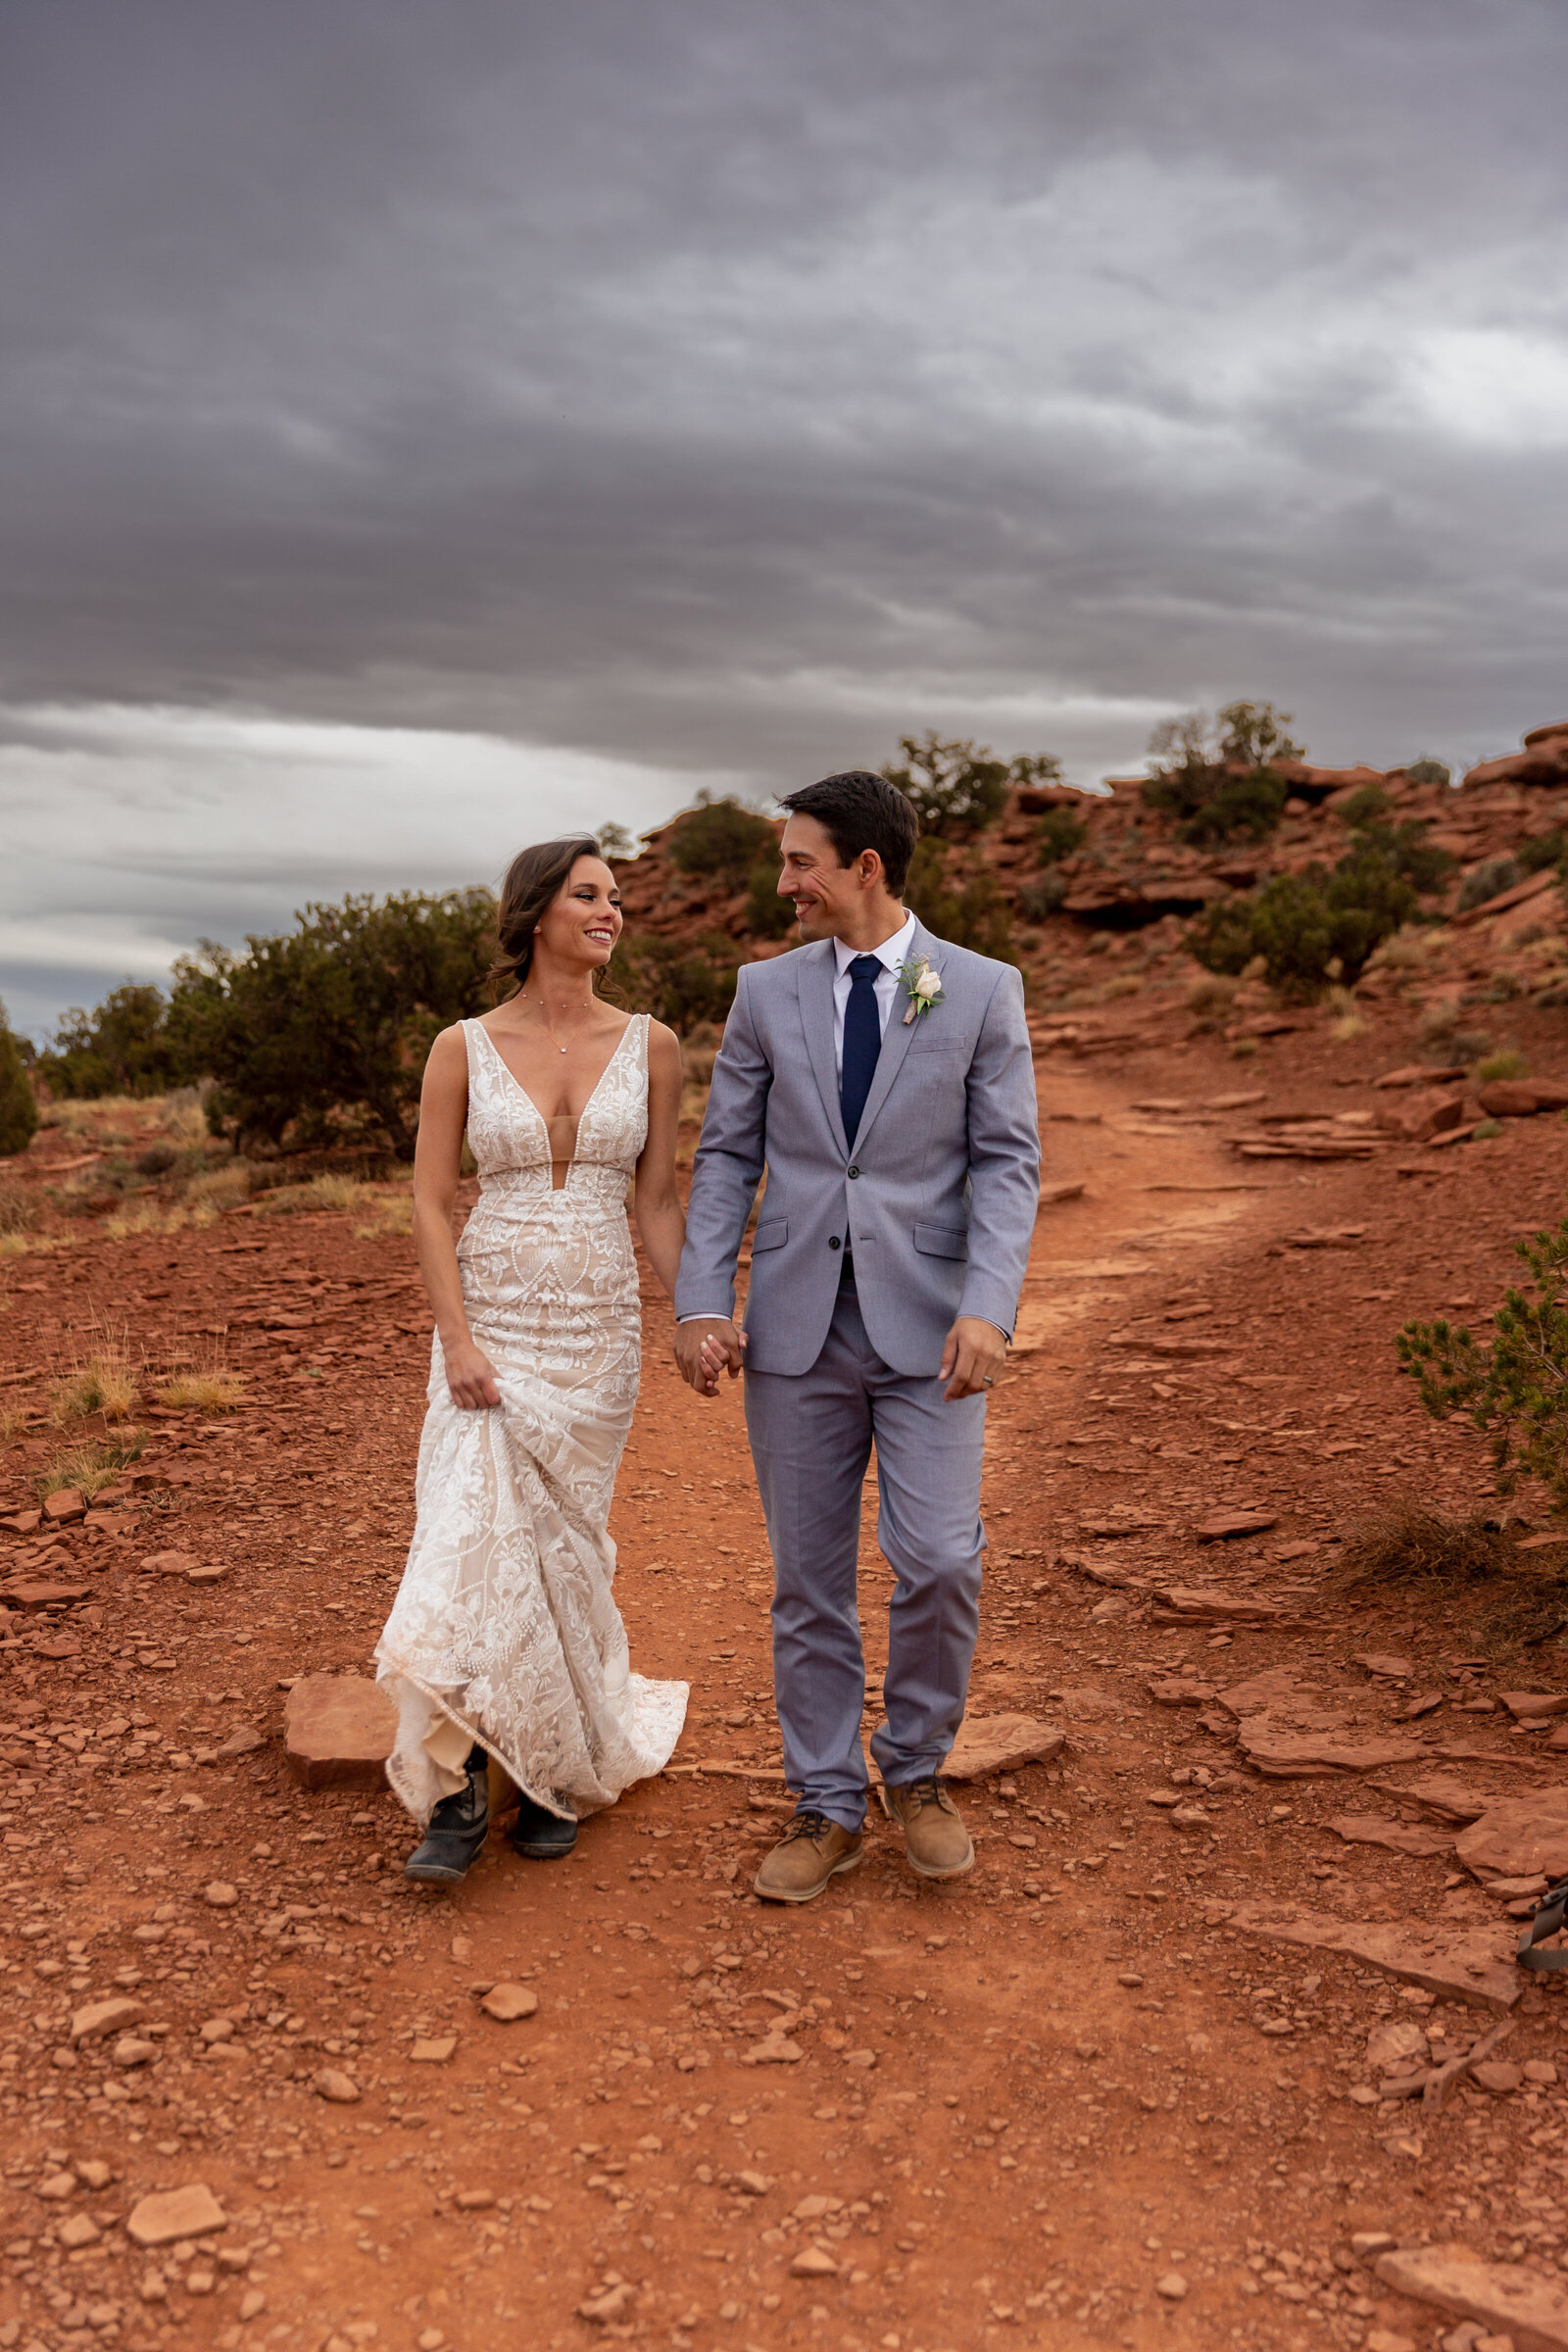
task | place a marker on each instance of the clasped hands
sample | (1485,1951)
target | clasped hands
(706,1348)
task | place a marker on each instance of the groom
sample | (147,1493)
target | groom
(883,1081)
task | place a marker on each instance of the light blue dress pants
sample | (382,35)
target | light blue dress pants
(812,1436)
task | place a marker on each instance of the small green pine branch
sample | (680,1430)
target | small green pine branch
(1515,1390)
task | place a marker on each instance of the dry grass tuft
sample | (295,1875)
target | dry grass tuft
(1209,999)
(103,1380)
(221,1188)
(322,1192)
(88,1467)
(20,1208)
(211,1392)
(1405,1543)
(1510,1600)
(13,1421)
(29,1245)
(145,1218)
(1345,1017)
(391,1213)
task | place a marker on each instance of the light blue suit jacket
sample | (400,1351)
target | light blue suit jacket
(937,1199)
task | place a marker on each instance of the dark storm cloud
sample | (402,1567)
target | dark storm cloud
(729,388)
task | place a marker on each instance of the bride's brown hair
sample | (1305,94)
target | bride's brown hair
(535,879)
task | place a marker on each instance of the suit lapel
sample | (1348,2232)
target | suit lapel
(818,971)
(894,1044)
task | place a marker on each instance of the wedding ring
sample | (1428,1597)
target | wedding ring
(990,1381)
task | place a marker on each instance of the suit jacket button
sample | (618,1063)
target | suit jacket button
(855,1171)
(833,1242)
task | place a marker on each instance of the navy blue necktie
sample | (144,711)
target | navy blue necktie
(863,1042)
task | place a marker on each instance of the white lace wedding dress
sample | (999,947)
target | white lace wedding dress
(505,1629)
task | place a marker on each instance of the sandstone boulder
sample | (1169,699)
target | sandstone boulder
(189,2212)
(1418,1117)
(1522,1098)
(100,2018)
(338,1732)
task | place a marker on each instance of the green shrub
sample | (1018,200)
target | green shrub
(961,788)
(1486,880)
(1310,928)
(1509,1063)
(337,1014)
(1216,777)
(721,839)
(123,1048)
(1514,1389)
(1409,850)
(18,1112)
(969,909)
(1365,806)
(1060,834)
(767,914)
(678,982)
(1548,849)
(1428,772)
(1042,897)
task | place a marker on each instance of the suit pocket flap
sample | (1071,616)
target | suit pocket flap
(941,1241)
(772,1234)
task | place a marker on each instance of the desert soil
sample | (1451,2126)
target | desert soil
(1066,2101)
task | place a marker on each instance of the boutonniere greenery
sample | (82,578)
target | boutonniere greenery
(921,985)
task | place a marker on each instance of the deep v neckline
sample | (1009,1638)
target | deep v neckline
(544,1123)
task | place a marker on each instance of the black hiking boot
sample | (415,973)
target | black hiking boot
(540,1835)
(458,1827)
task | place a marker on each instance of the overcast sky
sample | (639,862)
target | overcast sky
(425,426)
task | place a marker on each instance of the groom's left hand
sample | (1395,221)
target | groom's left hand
(973,1355)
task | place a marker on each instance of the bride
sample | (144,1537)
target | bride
(504,1640)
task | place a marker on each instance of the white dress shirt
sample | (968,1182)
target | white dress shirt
(890,954)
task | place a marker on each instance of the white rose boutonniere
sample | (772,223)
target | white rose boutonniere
(921,983)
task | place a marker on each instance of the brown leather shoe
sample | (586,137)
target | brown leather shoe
(811,1850)
(938,1844)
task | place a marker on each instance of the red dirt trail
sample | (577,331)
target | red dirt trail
(1063,2102)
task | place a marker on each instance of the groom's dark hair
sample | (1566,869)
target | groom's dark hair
(862,811)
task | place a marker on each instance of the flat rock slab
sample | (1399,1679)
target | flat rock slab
(1383,1662)
(1467,1967)
(1319,1756)
(1181,1691)
(775,2049)
(1535,1706)
(1206,1607)
(338,1732)
(190,2211)
(30,1597)
(1396,1836)
(508,2002)
(99,2018)
(170,1563)
(1220,1525)
(988,1743)
(1519,1838)
(1507,2300)
(1443,1799)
